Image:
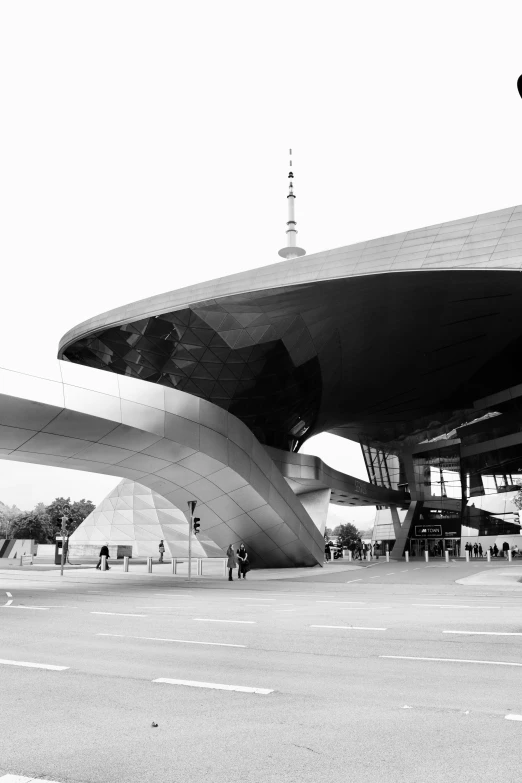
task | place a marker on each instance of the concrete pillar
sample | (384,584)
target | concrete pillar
(149,565)
(411,517)
(126,563)
(104,563)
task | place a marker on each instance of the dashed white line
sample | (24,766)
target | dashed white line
(212,620)
(390,573)
(120,614)
(456,606)
(450,660)
(353,580)
(21,606)
(179,641)
(251,599)
(34,665)
(485,633)
(214,686)
(513,717)
(350,627)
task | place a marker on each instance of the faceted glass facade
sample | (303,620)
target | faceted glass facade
(260,366)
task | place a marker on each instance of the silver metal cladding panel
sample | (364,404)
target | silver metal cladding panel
(104,431)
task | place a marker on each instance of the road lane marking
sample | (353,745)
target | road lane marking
(390,573)
(353,580)
(252,599)
(376,577)
(450,660)
(457,606)
(21,606)
(34,665)
(23,779)
(160,639)
(214,685)
(9,599)
(120,614)
(212,620)
(486,633)
(350,627)
(507,717)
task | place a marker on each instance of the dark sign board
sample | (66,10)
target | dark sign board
(427,531)
(450,528)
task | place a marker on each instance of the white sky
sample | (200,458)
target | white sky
(143,147)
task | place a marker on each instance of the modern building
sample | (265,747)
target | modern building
(409,344)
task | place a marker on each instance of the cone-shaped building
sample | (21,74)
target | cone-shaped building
(134,516)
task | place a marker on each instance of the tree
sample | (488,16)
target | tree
(327,533)
(80,509)
(32,525)
(348,534)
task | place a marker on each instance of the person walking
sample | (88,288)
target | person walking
(161,550)
(480,550)
(495,550)
(104,551)
(231,562)
(242,557)
(475,550)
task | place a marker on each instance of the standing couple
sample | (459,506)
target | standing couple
(237,559)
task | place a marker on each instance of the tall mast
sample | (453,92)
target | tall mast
(291,250)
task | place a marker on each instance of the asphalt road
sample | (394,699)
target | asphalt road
(336,708)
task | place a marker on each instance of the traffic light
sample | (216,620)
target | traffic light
(196,525)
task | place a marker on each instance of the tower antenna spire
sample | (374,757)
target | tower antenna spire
(291,250)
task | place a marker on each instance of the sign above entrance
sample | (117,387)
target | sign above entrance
(427,531)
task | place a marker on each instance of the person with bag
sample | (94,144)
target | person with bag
(242,556)
(161,550)
(231,562)
(104,551)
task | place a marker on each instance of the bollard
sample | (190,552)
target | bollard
(510,556)
(407,557)
(446,555)
(387,557)
(173,565)
(488,556)
(126,563)
(350,555)
(467,555)
(426,556)
(149,565)
(104,563)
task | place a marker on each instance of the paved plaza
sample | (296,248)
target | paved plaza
(342,673)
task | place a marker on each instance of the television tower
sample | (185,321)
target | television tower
(291,250)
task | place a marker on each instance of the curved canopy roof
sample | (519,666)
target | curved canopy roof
(385,342)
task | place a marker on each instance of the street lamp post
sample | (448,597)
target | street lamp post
(192,508)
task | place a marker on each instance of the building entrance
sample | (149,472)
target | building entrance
(435,546)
